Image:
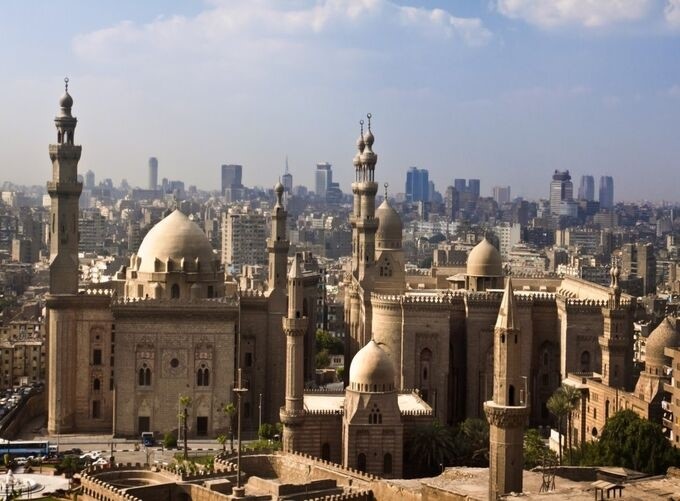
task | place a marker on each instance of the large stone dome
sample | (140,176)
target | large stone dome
(175,238)
(484,260)
(371,370)
(665,335)
(390,226)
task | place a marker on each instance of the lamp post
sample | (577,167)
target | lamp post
(239,390)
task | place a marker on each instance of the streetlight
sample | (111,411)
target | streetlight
(260,421)
(239,390)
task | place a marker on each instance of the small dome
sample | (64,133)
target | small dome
(278,188)
(360,143)
(665,335)
(369,139)
(390,226)
(371,368)
(484,261)
(66,100)
(174,238)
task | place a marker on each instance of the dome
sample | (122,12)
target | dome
(390,226)
(66,100)
(371,369)
(484,261)
(175,238)
(278,188)
(664,336)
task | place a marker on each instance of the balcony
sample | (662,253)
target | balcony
(667,423)
(666,406)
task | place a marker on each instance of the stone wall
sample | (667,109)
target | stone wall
(33,407)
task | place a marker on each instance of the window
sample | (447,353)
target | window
(387,464)
(96,384)
(375,417)
(96,357)
(249,359)
(144,375)
(201,426)
(361,462)
(96,409)
(585,361)
(203,376)
(174,291)
(326,451)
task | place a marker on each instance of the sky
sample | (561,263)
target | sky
(505,91)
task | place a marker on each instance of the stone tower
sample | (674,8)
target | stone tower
(64,190)
(365,221)
(277,244)
(616,341)
(508,411)
(62,301)
(292,414)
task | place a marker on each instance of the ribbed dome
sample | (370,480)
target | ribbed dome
(390,227)
(66,100)
(175,238)
(371,369)
(665,335)
(484,261)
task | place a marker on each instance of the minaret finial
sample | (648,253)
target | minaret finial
(368,115)
(386,185)
(361,123)
(66,84)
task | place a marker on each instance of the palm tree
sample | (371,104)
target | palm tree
(559,407)
(222,440)
(230,410)
(185,403)
(573,396)
(432,447)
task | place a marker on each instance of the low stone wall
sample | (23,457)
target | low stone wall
(31,408)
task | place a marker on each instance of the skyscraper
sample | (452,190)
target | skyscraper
(232,188)
(561,190)
(473,187)
(153,173)
(501,194)
(89,180)
(287,179)
(417,185)
(460,185)
(323,178)
(606,192)
(586,190)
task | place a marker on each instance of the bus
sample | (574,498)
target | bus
(25,447)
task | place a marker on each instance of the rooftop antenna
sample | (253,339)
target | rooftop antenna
(286,165)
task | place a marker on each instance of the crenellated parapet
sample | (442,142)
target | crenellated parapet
(506,416)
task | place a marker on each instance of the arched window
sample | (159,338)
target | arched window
(511,395)
(203,376)
(174,291)
(606,410)
(387,464)
(361,462)
(326,451)
(144,376)
(585,361)
(96,384)
(425,372)
(375,417)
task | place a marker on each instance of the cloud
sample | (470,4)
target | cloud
(248,30)
(586,13)
(672,13)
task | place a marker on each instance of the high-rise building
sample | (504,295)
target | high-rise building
(232,187)
(89,180)
(606,192)
(561,190)
(287,180)
(473,187)
(460,185)
(417,185)
(638,261)
(244,236)
(586,189)
(323,178)
(501,194)
(153,173)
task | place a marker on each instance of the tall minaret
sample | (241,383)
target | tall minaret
(508,411)
(294,325)
(277,244)
(616,342)
(366,223)
(356,213)
(64,190)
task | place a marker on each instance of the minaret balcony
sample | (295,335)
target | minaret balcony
(64,188)
(506,416)
(295,326)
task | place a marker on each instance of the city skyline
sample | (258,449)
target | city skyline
(504,93)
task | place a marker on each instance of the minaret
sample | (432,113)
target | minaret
(366,223)
(277,244)
(508,411)
(64,190)
(294,325)
(356,213)
(616,342)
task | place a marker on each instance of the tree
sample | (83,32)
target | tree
(629,441)
(431,448)
(169,440)
(572,396)
(266,431)
(222,440)
(558,405)
(472,442)
(185,403)
(230,411)
(536,451)
(322,360)
(332,345)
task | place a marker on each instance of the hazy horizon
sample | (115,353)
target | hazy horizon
(505,91)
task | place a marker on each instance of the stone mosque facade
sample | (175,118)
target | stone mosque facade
(169,326)
(120,358)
